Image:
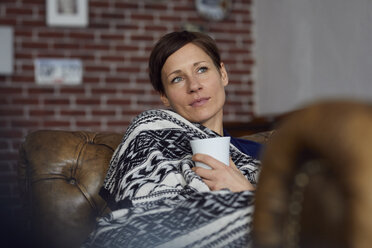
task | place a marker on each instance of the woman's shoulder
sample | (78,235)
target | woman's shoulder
(157,119)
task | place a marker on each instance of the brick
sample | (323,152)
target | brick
(87,101)
(111,16)
(50,54)
(25,123)
(10,90)
(41,112)
(81,36)
(26,101)
(66,45)
(140,17)
(88,123)
(23,33)
(117,80)
(72,113)
(56,101)
(142,38)
(96,68)
(55,124)
(91,80)
(103,47)
(244,93)
(18,11)
(11,111)
(34,45)
(72,90)
(11,21)
(51,34)
(130,113)
(156,6)
(33,23)
(98,4)
(133,92)
(240,71)
(128,69)
(10,133)
(36,2)
(249,62)
(239,51)
(121,124)
(103,91)
(40,91)
(126,48)
(138,59)
(28,68)
(121,102)
(98,24)
(22,55)
(113,58)
(170,18)
(183,8)
(145,81)
(103,113)
(23,79)
(127,26)
(149,102)
(111,37)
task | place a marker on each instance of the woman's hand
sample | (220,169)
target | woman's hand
(221,176)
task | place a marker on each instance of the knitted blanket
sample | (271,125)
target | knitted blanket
(158,201)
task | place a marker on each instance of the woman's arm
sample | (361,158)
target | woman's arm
(221,176)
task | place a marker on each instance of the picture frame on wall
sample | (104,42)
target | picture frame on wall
(67,13)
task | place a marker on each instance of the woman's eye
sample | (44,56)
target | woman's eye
(202,69)
(176,80)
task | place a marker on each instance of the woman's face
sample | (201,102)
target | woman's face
(194,87)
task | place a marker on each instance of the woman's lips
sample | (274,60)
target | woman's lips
(199,102)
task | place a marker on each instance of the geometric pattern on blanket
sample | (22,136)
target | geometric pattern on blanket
(154,160)
(159,201)
(180,223)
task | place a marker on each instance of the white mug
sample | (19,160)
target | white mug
(218,148)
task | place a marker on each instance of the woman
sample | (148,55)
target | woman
(159,197)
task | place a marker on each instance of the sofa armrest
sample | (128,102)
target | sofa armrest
(60,175)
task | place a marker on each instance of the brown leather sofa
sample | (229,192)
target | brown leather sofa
(60,174)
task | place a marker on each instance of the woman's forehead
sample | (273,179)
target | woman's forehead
(190,54)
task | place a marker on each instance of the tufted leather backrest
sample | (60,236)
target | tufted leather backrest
(60,174)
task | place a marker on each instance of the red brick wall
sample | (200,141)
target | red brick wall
(114,49)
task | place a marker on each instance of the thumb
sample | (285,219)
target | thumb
(232,164)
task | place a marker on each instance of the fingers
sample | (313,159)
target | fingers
(208,160)
(221,176)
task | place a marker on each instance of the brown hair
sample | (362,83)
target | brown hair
(169,44)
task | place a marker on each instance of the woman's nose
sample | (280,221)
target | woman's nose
(194,85)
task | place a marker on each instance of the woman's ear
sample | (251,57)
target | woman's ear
(224,76)
(164,99)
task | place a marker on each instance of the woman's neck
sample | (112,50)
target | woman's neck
(215,125)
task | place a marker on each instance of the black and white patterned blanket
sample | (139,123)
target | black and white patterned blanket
(158,201)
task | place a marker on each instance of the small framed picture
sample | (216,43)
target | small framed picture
(67,13)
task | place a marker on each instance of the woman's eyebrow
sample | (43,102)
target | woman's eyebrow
(179,71)
(199,62)
(174,72)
